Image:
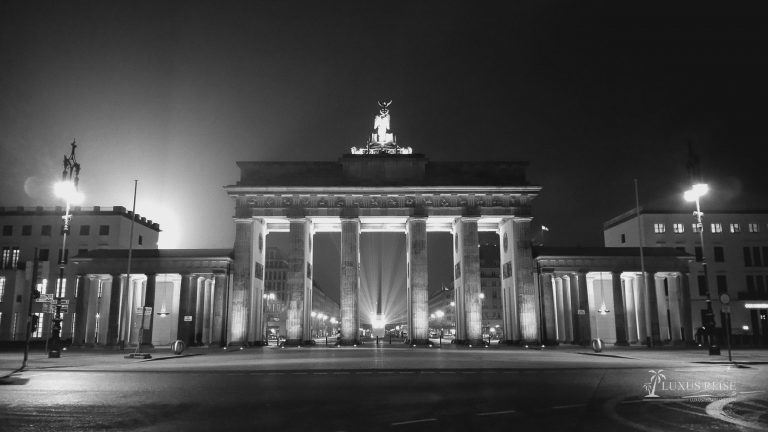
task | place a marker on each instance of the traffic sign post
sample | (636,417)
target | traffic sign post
(725,301)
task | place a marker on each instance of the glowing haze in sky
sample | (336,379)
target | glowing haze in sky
(173,93)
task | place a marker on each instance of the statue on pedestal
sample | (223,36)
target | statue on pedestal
(382,140)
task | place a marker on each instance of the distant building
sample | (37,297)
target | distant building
(490,286)
(325,310)
(735,251)
(27,228)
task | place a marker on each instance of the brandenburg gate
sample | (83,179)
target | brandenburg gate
(383,187)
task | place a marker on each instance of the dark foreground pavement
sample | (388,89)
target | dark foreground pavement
(388,389)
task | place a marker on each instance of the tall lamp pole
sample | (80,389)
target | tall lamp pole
(693,195)
(66,189)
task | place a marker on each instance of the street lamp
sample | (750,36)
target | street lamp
(693,195)
(67,190)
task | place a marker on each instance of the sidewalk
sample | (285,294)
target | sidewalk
(369,355)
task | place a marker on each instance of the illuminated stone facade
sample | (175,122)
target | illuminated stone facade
(392,193)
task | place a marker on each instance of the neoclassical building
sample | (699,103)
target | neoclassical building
(217,297)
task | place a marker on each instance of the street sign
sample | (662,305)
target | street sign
(147,310)
(62,308)
(48,308)
(726,308)
(63,302)
(187,317)
(45,298)
(581,312)
(725,299)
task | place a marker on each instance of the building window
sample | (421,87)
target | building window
(678,228)
(61,287)
(735,228)
(7,230)
(747,257)
(26,230)
(623,238)
(39,331)
(2,288)
(15,258)
(43,254)
(100,290)
(85,230)
(719,254)
(103,230)
(751,285)
(66,256)
(141,240)
(699,254)
(716,227)
(760,286)
(695,228)
(722,286)
(45,230)
(756,257)
(659,228)
(753,227)
(6,258)
(702,282)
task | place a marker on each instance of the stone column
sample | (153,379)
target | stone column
(466,260)
(126,310)
(565,283)
(651,310)
(559,309)
(187,307)
(198,320)
(207,310)
(662,308)
(640,301)
(585,326)
(82,308)
(219,330)
(548,309)
(247,231)
(675,313)
(508,280)
(350,281)
(256,331)
(573,289)
(149,301)
(525,284)
(299,282)
(619,314)
(629,298)
(417,288)
(113,318)
(685,306)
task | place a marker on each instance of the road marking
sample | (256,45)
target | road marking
(497,413)
(414,421)
(320,373)
(569,406)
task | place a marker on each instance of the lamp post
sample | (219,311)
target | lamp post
(66,189)
(693,195)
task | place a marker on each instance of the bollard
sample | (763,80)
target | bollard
(177,347)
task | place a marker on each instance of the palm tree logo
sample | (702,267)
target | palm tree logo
(656,377)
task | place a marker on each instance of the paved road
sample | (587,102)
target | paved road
(402,390)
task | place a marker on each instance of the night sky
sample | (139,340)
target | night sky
(174,93)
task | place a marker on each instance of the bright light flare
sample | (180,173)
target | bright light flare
(696,192)
(67,191)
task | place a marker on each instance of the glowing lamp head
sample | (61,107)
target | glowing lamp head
(439,314)
(314,314)
(696,192)
(68,191)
